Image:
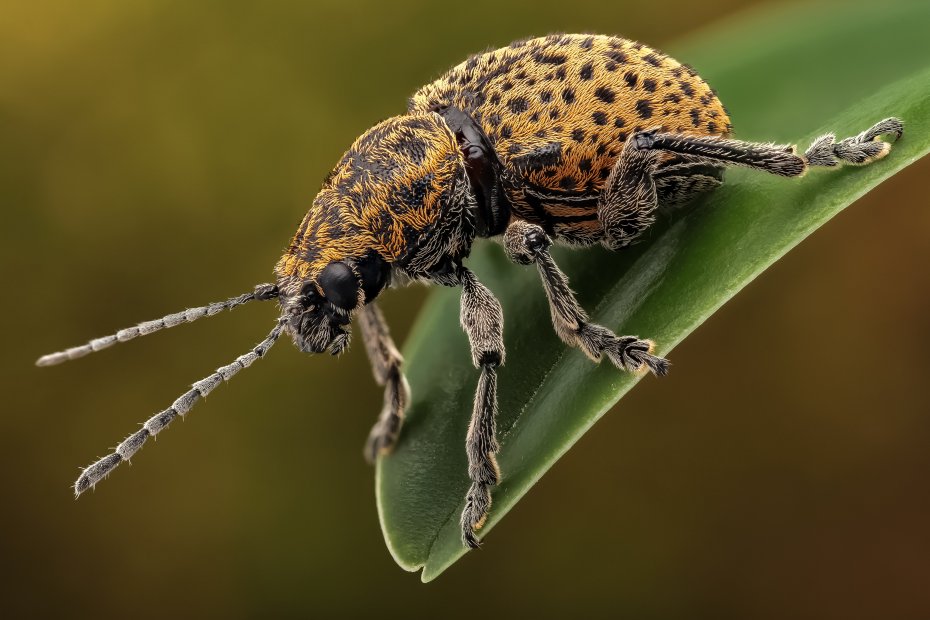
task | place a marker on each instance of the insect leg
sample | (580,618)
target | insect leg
(627,203)
(677,184)
(527,243)
(483,322)
(385,365)
(861,149)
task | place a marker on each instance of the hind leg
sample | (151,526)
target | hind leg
(627,204)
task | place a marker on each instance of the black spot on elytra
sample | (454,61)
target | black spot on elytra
(594,138)
(600,118)
(521,75)
(603,173)
(507,85)
(534,117)
(506,132)
(549,172)
(554,113)
(653,60)
(531,82)
(495,99)
(695,117)
(672,97)
(686,88)
(518,105)
(472,62)
(560,74)
(568,95)
(586,71)
(707,98)
(616,56)
(541,133)
(636,45)
(601,148)
(712,127)
(567,183)
(494,120)
(611,66)
(668,82)
(605,94)
(578,135)
(585,165)
(649,85)
(644,108)
(621,137)
(619,122)
(513,149)
(549,58)
(631,79)
(545,96)
(586,43)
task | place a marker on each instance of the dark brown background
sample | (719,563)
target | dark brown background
(158,154)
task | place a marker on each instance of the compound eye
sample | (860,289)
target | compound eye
(340,285)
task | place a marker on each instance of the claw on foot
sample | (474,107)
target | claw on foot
(858,150)
(382,438)
(477,505)
(634,355)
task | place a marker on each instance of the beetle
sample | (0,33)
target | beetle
(570,139)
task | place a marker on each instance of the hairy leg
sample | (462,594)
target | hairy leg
(628,200)
(483,322)
(385,366)
(527,243)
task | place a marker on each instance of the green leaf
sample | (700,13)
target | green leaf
(785,77)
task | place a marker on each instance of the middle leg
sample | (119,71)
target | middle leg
(483,321)
(527,243)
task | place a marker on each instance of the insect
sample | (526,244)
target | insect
(571,139)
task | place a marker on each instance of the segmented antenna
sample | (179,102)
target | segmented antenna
(262,292)
(124,451)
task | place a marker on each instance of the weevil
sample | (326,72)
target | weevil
(569,139)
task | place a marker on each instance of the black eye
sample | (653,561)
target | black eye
(339,285)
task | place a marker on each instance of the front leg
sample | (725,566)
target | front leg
(385,365)
(527,243)
(483,321)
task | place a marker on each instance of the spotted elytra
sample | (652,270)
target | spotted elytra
(573,139)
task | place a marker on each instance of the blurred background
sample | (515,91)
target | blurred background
(157,155)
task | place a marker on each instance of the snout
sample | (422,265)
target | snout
(318,331)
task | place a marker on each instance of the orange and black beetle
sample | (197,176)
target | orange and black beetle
(575,139)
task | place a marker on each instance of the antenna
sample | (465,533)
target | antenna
(128,447)
(262,292)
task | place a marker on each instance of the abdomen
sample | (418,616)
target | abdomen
(558,109)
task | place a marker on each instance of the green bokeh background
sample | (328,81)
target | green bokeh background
(155,155)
